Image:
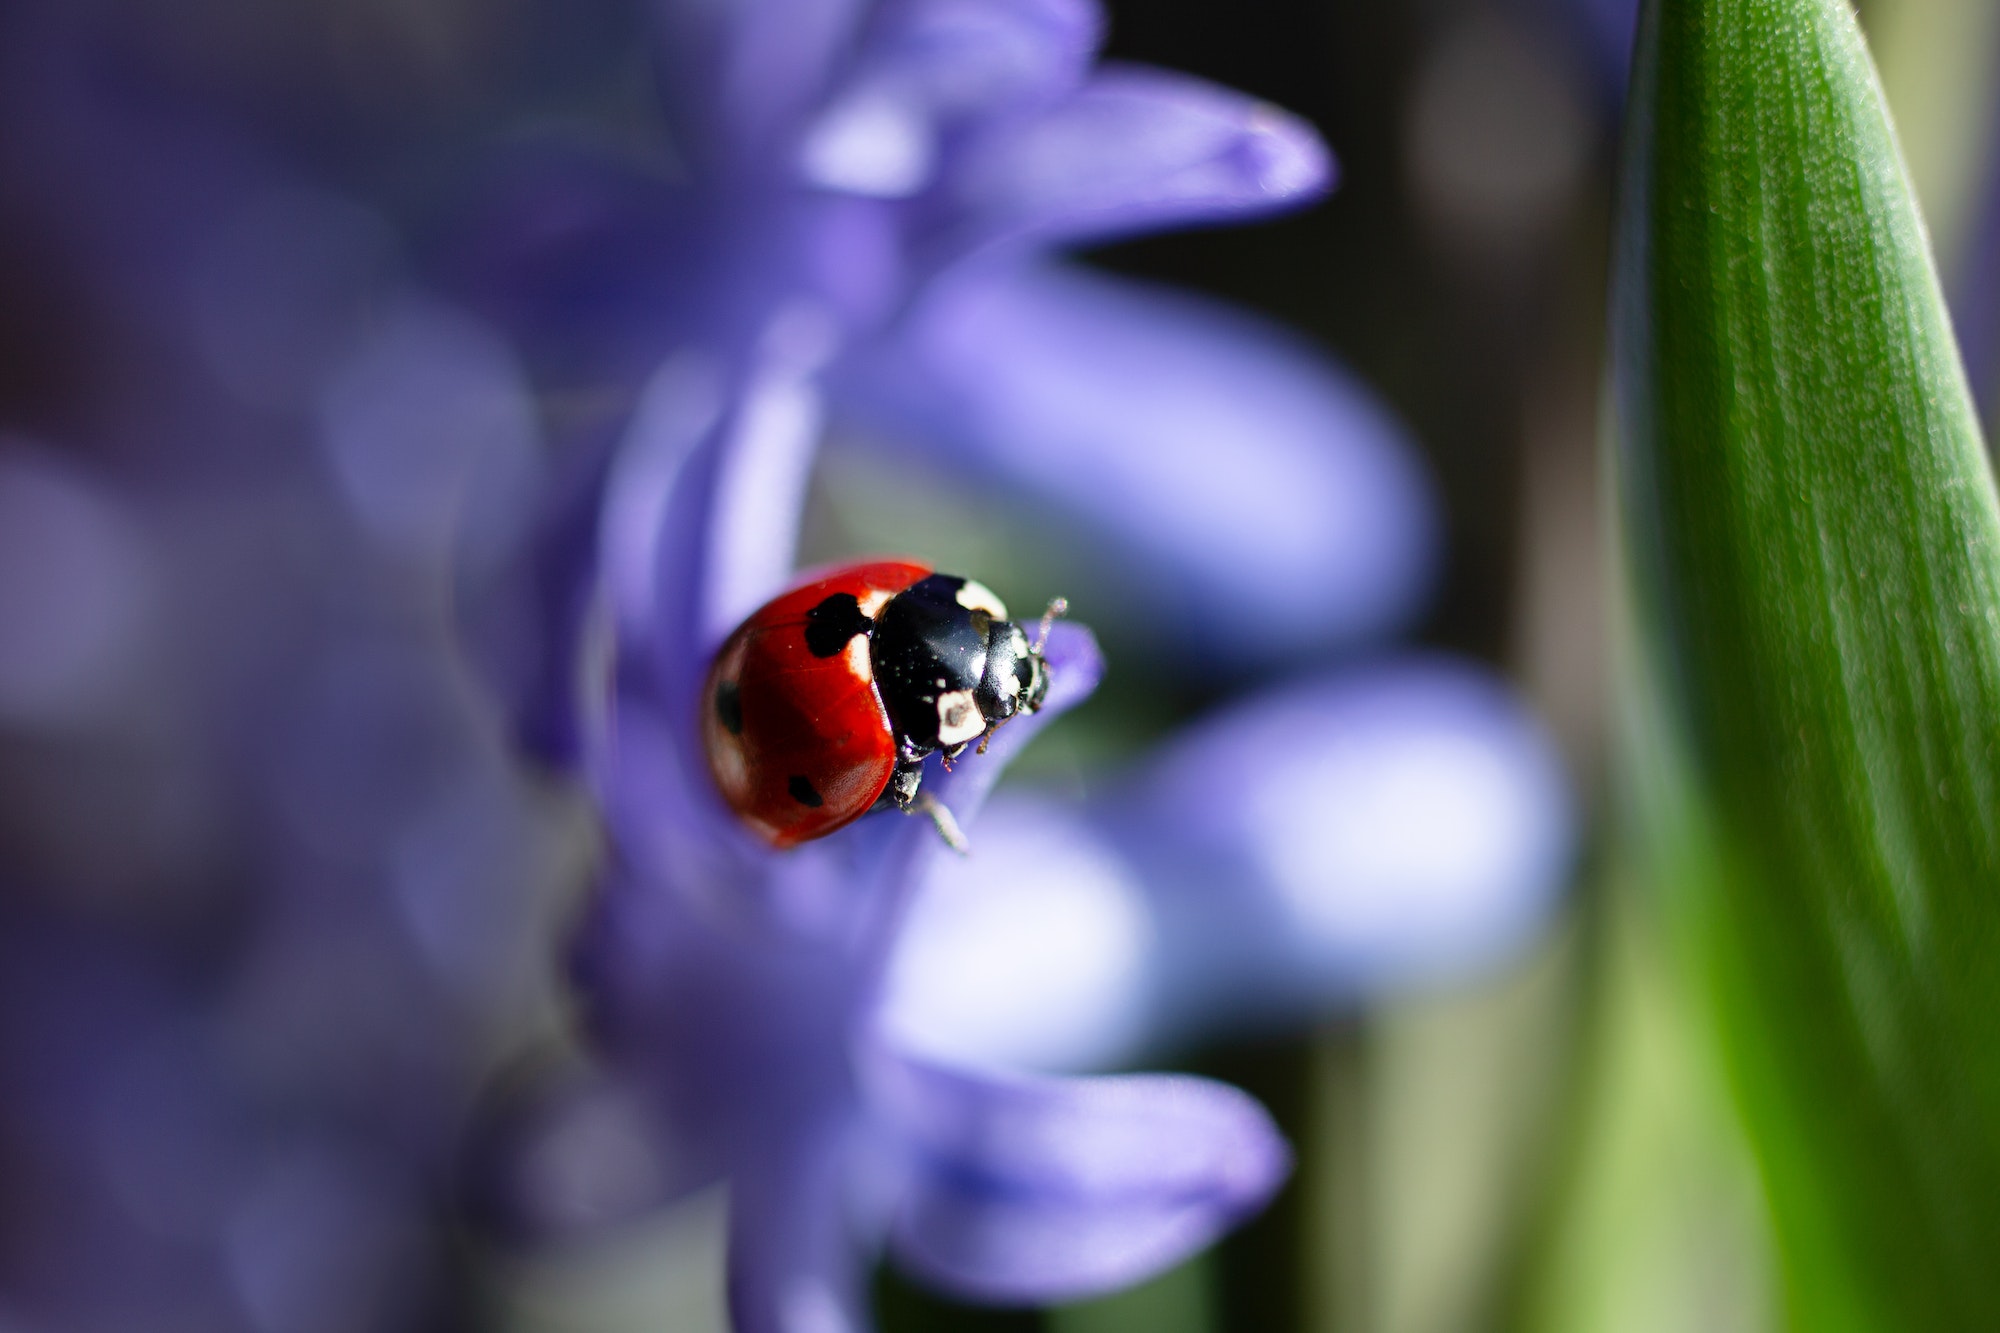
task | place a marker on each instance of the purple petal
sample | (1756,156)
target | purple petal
(1345,835)
(933,64)
(530,625)
(740,79)
(1036,953)
(1044,1190)
(601,271)
(701,515)
(729,1029)
(1135,150)
(1241,484)
(761,485)
(976,56)
(795,1248)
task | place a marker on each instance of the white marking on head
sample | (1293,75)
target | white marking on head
(959,719)
(976,596)
(871,603)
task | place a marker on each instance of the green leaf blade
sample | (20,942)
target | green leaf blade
(1815,547)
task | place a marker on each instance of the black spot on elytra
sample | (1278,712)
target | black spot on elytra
(835,621)
(729,707)
(802,791)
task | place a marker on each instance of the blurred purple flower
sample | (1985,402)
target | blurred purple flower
(269,875)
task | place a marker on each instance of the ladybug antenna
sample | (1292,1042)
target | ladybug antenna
(1057,607)
(941,816)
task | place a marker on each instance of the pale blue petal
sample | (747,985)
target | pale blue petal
(1304,849)
(1343,836)
(1038,952)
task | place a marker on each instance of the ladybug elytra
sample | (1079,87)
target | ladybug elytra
(823,704)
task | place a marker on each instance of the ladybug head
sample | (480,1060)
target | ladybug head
(950,666)
(1016,675)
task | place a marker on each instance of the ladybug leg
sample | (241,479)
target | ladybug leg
(901,793)
(947,825)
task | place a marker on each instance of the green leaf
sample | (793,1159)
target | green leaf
(1814,546)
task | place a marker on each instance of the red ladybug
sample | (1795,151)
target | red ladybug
(822,705)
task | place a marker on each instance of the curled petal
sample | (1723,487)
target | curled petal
(1401,823)
(1236,482)
(701,512)
(767,453)
(1135,150)
(1041,1190)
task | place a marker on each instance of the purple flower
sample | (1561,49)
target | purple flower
(734,995)
(855,231)
(739,1003)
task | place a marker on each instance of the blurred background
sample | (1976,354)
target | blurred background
(280,901)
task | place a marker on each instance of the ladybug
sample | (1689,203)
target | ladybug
(822,705)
